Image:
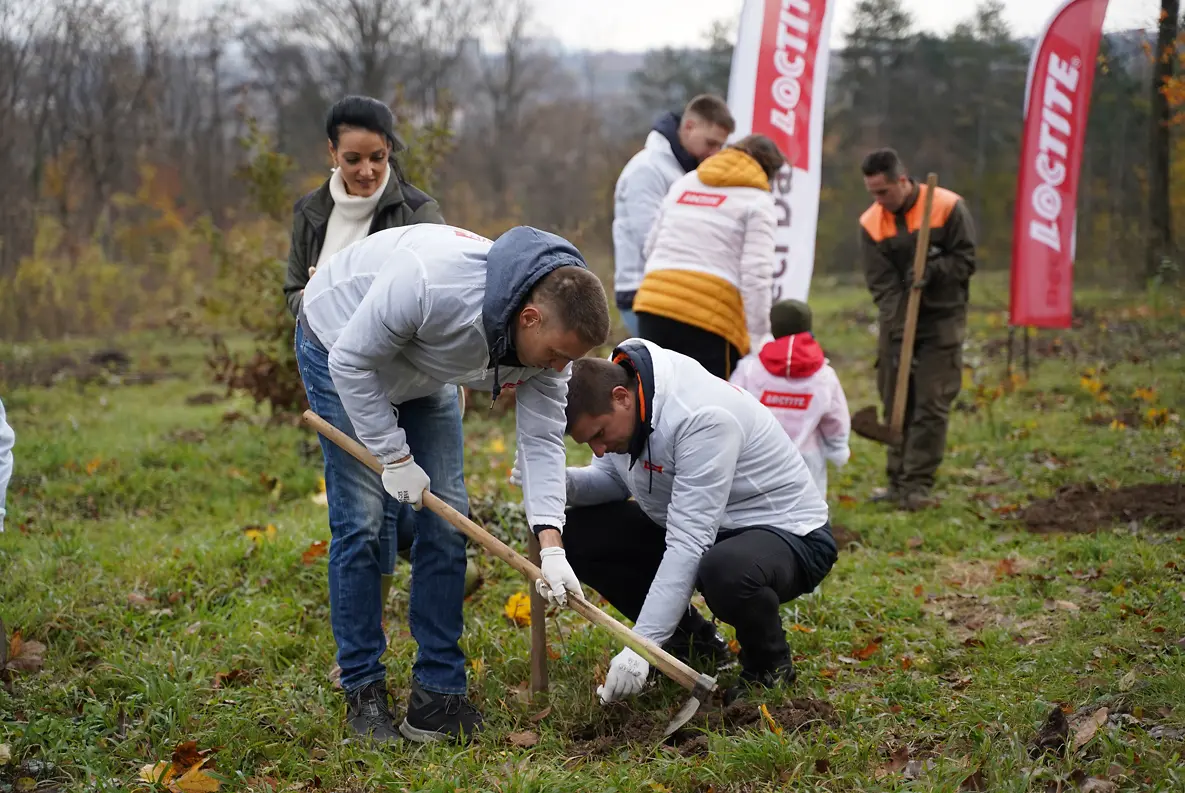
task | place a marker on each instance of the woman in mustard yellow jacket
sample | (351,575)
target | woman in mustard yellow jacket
(710,258)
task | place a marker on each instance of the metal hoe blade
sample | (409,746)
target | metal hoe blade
(682,717)
(699,694)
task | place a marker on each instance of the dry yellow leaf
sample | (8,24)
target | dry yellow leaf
(161,773)
(93,466)
(195,780)
(496,445)
(774,727)
(518,609)
(258,534)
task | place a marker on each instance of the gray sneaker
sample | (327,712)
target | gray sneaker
(369,714)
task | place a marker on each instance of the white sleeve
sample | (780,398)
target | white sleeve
(594,484)
(757,268)
(643,204)
(384,322)
(539,426)
(7,442)
(706,452)
(835,426)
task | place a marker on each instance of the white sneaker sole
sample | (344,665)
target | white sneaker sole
(421,736)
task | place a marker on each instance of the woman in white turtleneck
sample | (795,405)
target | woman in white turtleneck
(365,193)
(351,216)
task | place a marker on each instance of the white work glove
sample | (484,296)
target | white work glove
(627,676)
(558,576)
(406,482)
(516,474)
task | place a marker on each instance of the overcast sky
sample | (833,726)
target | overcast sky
(636,25)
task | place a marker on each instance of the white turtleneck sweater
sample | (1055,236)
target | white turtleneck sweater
(351,216)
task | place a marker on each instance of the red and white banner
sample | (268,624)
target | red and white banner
(777,88)
(1057,101)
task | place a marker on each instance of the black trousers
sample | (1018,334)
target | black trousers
(713,352)
(616,549)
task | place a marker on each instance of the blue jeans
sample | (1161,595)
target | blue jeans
(363,519)
(630,320)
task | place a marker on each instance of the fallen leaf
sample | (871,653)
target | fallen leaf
(734,646)
(5,754)
(917,591)
(914,542)
(541,715)
(801,628)
(25,784)
(93,466)
(1063,605)
(1086,731)
(774,727)
(523,740)
(24,656)
(1096,785)
(868,650)
(553,653)
(822,765)
(316,549)
(913,769)
(258,534)
(843,659)
(186,755)
(906,662)
(1127,681)
(161,773)
(973,641)
(827,672)
(518,609)
(898,759)
(975,781)
(894,709)
(1052,736)
(136,599)
(1006,568)
(196,780)
(225,679)
(846,499)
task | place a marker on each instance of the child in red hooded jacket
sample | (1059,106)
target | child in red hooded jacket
(791,377)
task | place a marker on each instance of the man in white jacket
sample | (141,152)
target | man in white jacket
(675,146)
(387,328)
(722,502)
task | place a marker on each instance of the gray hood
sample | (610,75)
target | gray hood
(515,263)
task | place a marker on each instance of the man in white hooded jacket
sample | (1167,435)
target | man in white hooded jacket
(722,502)
(386,330)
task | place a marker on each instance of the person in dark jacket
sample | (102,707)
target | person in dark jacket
(888,232)
(365,193)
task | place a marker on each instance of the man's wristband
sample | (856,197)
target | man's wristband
(544,527)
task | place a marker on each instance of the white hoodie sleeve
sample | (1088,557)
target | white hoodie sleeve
(706,450)
(539,427)
(757,268)
(835,426)
(7,442)
(594,484)
(385,321)
(645,192)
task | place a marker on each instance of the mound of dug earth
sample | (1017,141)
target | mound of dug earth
(1084,508)
(622,726)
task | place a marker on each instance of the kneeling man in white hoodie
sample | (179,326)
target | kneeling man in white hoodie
(722,503)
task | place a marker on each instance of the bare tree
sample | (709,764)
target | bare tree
(1160,217)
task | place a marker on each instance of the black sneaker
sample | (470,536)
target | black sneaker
(750,680)
(369,714)
(885,495)
(706,646)
(439,717)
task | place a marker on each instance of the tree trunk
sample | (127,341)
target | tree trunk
(1160,232)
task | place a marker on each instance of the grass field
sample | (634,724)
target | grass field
(937,648)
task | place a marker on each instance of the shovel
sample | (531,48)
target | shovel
(864,421)
(701,686)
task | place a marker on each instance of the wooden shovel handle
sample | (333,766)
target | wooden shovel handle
(901,395)
(666,663)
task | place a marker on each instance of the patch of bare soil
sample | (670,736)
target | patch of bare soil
(623,726)
(1084,508)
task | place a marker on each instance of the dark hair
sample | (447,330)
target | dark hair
(578,299)
(713,110)
(883,161)
(590,388)
(764,151)
(362,112)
